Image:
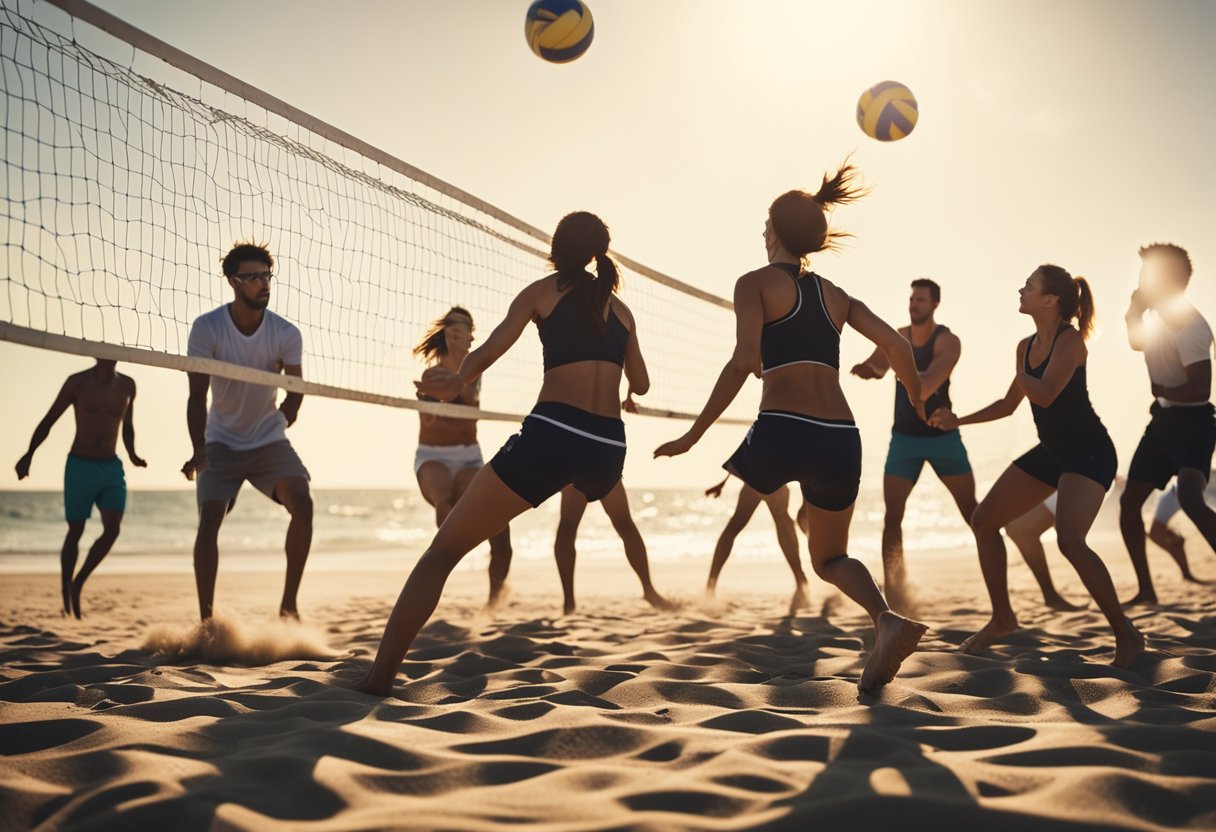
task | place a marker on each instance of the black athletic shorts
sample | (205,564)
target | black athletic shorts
(559,445)
(1095,459)
(1176,438)
(822,455)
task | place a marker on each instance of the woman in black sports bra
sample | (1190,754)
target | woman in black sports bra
(573,436)
(1074,456)
(788,326)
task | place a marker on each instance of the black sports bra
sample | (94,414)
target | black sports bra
(566,336)
(807,334)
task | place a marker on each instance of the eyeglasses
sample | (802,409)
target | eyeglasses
(249,277)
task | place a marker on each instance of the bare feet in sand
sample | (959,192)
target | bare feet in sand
(1129,646)
(895,639)
(1059,602)
(992,631)
(660,603)
(1141,598)
(800,601)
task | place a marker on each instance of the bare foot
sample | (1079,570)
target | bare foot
(498,597)
(77,586)
(568,607)
(800,601)
(659,602)
(895,639)
(1128,647)
(66,587)
(382,690)
(292,614)
(1059,602)
(992,631)
(1141,597)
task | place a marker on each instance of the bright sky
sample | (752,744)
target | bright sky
(1050,132)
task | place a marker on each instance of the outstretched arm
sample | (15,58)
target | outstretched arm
(946,352)
(894,346)
(445,386)
(944,419)
(749,322)
(67,395)
(875,366)
(128,431)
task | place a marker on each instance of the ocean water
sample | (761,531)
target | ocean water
(386,530)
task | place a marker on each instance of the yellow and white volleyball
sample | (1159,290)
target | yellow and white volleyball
(887,111)
(559,30)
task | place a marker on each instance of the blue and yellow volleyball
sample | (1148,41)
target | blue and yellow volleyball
(559,30)
(887,111)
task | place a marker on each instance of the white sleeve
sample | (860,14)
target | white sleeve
(1195,342)
(1167,505)
(293,346)
(200,344)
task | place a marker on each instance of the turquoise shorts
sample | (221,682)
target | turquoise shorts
(908,455)
(92,481)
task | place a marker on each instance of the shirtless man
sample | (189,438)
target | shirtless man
(102,399)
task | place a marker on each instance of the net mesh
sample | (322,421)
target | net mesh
(121,193)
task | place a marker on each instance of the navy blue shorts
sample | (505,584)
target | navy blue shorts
(1176,438)
(559,445)
(1096,460)
(822,455)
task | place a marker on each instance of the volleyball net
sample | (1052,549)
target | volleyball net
(122,191)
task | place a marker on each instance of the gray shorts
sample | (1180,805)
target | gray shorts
(263,467)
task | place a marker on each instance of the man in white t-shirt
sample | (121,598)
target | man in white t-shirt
(1179,440)
(243,437)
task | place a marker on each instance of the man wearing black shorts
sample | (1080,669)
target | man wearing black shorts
(1177,345)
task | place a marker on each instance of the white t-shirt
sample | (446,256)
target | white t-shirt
(1168,351)
(243,416)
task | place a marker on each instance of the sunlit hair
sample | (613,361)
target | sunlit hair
(1076,298)
(241,252)
(579,238)
(935,291)
(1175,254)
(799,218)
(433,345)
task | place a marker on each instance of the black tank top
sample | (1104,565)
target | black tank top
(906,420)
(1070,421)
(804,336)
(566,336)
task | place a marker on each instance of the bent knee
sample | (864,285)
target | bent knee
(985,521)
(824,567)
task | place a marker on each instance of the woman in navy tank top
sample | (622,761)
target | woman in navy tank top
(788,325)
(573,436)
(1074,456)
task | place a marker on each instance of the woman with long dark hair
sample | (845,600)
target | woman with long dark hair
(448,454)
(573,436)
(788,324)
(1074,456)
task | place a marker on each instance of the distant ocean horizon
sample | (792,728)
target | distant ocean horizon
(384,528)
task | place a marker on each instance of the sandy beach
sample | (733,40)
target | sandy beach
(726,715)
